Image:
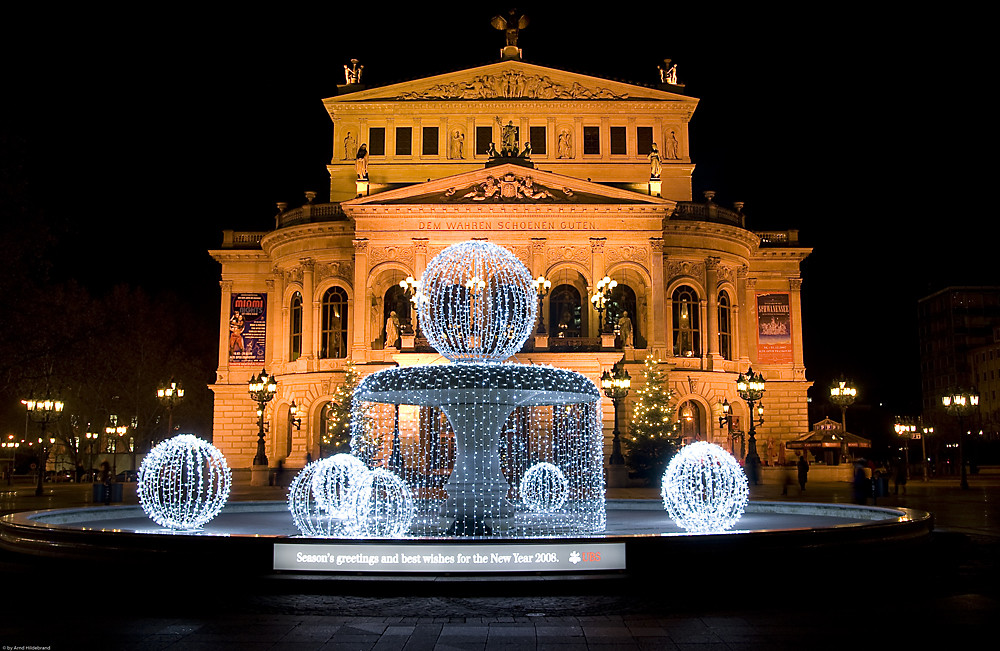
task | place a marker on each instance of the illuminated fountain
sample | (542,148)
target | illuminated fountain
(463,435)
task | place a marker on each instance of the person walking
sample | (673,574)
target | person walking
(803,467)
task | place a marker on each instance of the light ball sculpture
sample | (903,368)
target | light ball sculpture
(704,489)
(481,302)
(183,483)
(381,505)
(333,479)
(544,487)
(320,497)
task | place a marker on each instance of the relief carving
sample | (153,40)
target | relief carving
(509,187)
(335,269)
(568,253)
(511,84)
(401,253)
(628,253)
(677,268)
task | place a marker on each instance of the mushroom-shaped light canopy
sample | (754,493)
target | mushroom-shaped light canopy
(477,303)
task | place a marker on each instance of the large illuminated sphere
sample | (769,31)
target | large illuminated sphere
(382,505)
(704,489)
(183,483)
(477,302)
(333,479)
(544,487)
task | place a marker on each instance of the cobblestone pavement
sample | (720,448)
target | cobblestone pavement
(943,592)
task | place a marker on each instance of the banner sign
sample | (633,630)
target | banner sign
(470,557)
(774,328)
(247,329)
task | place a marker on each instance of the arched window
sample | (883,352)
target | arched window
(395,300)
(295,327)
(687,339)
(565,313)
(725,326)
(689,416)
(333,334)
(622,301)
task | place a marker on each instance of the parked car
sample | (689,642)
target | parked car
(127,475)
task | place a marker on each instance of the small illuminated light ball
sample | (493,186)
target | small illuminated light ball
(332,481)
(381,505)
(544,487)
(183,483)
(704,489)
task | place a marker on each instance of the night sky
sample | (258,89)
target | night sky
(139,142)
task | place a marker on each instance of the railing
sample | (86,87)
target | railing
(706,212)
(778,238)
(311,212)
(242,239)
(572,344)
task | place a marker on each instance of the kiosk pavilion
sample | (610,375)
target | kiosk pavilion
(581,178)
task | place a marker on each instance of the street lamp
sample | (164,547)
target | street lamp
(43,411)
(293,416)
(92,442)
(170,395)
(961,403)
(112,430)
(600,300)
(726,423)
(542,287)
(616,386)
(262,388)
(750,386)
(411,290)
(842,394)
(10,444)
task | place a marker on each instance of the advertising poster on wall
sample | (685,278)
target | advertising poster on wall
(774,328)
(247,329)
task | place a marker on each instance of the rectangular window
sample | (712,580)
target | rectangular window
(484,136)
(592,140)
(376,141)
(536,136)
(404,141)
(618,146)
(429,147)
(643,140)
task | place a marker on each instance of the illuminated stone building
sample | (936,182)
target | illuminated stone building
(446,162)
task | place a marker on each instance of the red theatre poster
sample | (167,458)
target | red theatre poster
(247,329)
(774,328)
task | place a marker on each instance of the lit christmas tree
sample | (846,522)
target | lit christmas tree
(653,436)
(337,436)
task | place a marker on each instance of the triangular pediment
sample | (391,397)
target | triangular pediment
(509,184)
(507,80)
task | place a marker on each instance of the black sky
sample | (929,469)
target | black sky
(142,140)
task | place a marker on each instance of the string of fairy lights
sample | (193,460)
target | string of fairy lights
(475,448)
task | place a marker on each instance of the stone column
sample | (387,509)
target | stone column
(272,341)
(795,286)
(310,311)
(538,269)
(712,289)
(226,306)
(597,271)
(361,338)
(660,324)
(751,319)
(280,311)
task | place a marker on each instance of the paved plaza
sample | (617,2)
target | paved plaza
(945,590)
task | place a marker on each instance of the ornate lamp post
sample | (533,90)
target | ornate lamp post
(726,423)
(542,287)
(10,444)
(616,386)
(750,386)
(600,300)
(925,431)
(293,416)
(961,403)
(262,388)
(169,395)
(43,411)
(115,430)
(92,441)
(842,394)
(411,290)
